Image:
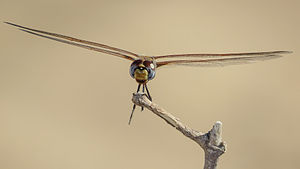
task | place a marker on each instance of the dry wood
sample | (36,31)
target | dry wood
(211,142)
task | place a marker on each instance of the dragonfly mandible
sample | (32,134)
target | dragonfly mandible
(143,68)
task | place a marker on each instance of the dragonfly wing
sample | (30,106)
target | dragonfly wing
(220,55)
(220,61)
(80,43)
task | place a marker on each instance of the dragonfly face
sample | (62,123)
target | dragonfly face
(143,70)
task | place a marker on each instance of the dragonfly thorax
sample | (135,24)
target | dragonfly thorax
(142,70)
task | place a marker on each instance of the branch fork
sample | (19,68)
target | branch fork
(211,142)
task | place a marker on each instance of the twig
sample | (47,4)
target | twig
(211,142)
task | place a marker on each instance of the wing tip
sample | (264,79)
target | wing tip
(13,24)
(289,51)
(9,23)
(284,52)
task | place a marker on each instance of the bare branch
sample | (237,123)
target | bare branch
(211,142)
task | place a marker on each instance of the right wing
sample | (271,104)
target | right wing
(81,43)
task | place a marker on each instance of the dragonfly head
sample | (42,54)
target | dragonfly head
(142,70)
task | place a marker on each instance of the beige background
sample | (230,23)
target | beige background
(62,107)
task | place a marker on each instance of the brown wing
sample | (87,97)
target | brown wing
(258,56)
(81,43)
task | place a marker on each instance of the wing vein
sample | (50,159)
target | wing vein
(221,55)
(113,49)
(80,45)
(219,61)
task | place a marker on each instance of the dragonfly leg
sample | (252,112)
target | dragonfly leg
(148,92)
(133,108)
(142,108)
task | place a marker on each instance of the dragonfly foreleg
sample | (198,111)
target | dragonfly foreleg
(133,108)
(142,108)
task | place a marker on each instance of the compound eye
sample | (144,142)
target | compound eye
(151,73)
(136,62)
(134,66)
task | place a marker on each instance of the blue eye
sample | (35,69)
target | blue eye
(134,66)
(151,73)
(148,65)
(150,69)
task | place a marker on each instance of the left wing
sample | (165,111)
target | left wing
(219,59)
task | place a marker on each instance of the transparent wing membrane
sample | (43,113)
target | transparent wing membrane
(219,61)
(176,59)
(203,55)
(81,43)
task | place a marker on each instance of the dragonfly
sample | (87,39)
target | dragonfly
(143,68)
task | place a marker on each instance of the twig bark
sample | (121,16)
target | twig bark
(211,142)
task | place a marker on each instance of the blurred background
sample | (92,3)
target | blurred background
(67,107)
